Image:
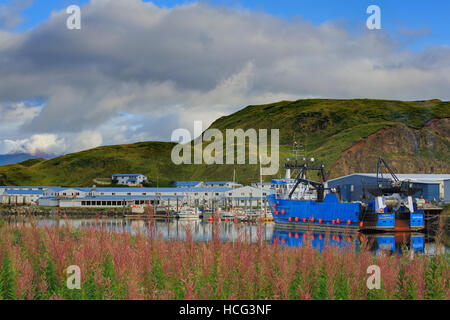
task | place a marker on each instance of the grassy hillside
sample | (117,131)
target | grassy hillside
(347,135)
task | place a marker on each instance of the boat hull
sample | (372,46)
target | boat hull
(329,213)
(334,215)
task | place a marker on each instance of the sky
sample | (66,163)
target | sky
(137,70)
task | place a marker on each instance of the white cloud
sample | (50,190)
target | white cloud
(86,140)
(168,67)
(18,112)
(36,144)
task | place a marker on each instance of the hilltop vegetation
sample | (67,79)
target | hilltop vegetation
(347,135)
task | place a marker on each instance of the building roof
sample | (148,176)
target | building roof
(59,189)
(56,189)
(131,189)
(218,182)
(420,178)
(128,175)
(26,192)
(204,189)
(120,198)
(27,187)
(187,183)
(162,190)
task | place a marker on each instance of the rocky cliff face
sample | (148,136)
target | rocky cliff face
(407,150)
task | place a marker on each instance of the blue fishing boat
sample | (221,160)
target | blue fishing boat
(393,207)
(301,201)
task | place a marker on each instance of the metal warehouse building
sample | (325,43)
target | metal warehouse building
(447,190)
(435,187)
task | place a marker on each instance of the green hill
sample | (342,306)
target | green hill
(347,135)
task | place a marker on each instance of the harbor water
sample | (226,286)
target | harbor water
(202,230)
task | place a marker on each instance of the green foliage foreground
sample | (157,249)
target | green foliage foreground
(34,261)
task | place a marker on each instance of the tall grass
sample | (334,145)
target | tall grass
(118,265)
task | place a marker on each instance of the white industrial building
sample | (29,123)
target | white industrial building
(133,179)
(221,184)
(20,197)
(265,185)
(196,193)
(188,184)
(447,190)
(119,197)
(248,196)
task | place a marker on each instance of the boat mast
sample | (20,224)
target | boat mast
(261,187)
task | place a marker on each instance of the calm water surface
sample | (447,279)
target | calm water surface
(230,231)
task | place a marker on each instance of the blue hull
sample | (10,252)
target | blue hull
(393,242)
(301,212)
(335,214)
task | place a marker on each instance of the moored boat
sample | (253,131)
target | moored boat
(393,207)
(188,213)
(299,202)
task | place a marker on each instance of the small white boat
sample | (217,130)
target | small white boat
(227,215)
(189,213)
(136,209)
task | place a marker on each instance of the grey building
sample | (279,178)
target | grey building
(433,185)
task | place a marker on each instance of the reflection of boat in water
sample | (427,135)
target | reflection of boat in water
(227,215)
(395,241)
(206,213)
(376,242)
(148,211)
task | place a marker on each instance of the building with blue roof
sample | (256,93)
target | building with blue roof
(188,184)
(20,197)
(227,184)
(130,179)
